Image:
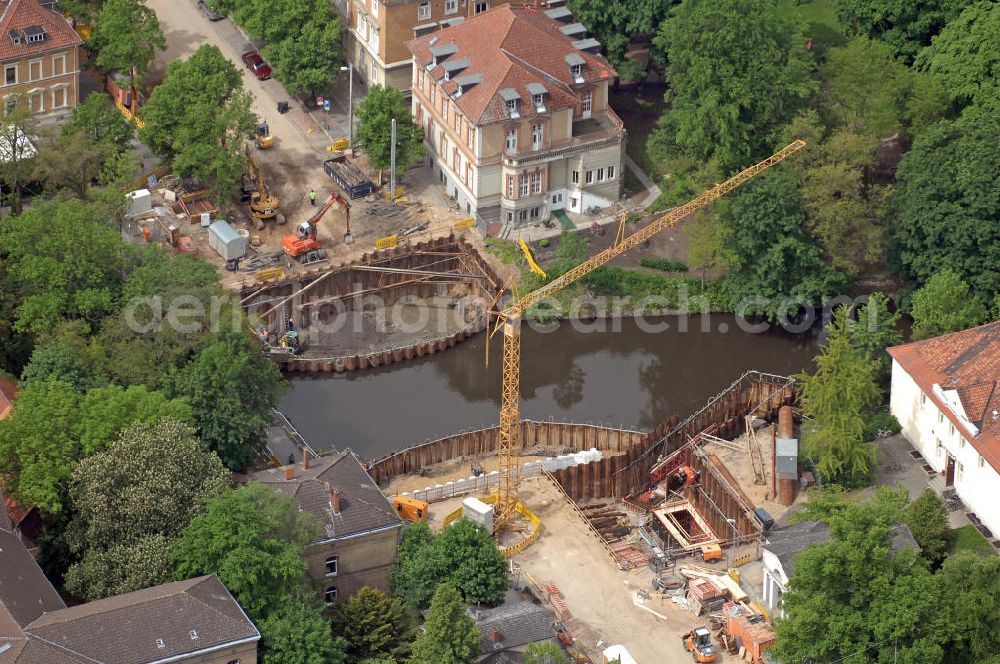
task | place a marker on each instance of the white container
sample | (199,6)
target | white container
(169,195)
(140,201)
(478,511)
(224,239)
(206,219)
(618,654)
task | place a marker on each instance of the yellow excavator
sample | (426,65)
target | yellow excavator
(263,204)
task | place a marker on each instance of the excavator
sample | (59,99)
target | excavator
(303,245)
(263,204)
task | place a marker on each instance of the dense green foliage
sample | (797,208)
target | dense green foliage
(613,22)
(126,37)
(966,55)
(464,555)
(149,483)
(374,133)
(252,537)
(874,331)
(373,624)
(450,635)
(298,633)
(544,652)
(198,120)
(927,518)
(905,25)
(947,206)
(945,304)
(845,598)
(837,397)
(737,72)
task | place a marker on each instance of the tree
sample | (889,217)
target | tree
(232,390)
(252,537)
(944,305)
(53,427)
(544,652)
(149,483)
(865,87)
(969,588)
(707,244)
(845,210)
(450,635)
(297,633)
(126,37)
(966,54)
(774,267)
(419,567)
(724,106)
(875,331)
(309,57)
(373,625)
(74,163)
(837,397)
(71,270)
(58,361)
(905,25)
(375,115)
(927,518)
(97,118)
(199,118)
(476,566)
(946,208)
(18,131)
(613,22)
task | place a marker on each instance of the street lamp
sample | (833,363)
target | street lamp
(732,522)
(350,104)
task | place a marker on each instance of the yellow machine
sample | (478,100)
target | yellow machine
(262,134)
(510,413)
(410,509)
(263,204)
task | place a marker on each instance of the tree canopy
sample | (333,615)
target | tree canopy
(252,537)
(945,304)
(297,633)
(613,22)
(450,635)
(726,107)
(905,25)
(126,37)
(837,397)
(373,624)
(198,120)
(946,207)
(149,483)
(54,426)
(876,330)
(374,134)
(966,55)
(232,390)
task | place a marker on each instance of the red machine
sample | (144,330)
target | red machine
(303,245)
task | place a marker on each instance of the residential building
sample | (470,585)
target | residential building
(506,630)
(40,56)
(361,531)
(514,107)
(946,396)
(782,545)
(190,622)
(378,30)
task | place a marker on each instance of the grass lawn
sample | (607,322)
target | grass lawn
(967,538)
(820,18)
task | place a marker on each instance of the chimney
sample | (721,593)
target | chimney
(334,497)
(289,472)
(305,459)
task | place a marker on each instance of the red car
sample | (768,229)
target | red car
(256,64)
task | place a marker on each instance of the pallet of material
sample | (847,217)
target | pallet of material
(720,579)
(348,176)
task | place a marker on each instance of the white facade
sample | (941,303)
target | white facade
(774,583)
(945,445)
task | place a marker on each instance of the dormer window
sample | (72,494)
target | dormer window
(15,37)
(538,94)
(576,63)
(577,71)
(512,101)
(513,108)
(35,34)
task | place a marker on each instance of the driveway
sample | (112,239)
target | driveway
(295,164)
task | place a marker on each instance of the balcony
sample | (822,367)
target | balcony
(588,134)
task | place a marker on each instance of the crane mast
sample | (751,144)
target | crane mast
(510,408)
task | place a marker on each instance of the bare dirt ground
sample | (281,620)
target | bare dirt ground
(599,596)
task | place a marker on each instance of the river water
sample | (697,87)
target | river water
(630,377)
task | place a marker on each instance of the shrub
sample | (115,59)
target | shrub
(663,265)
(881,421)
(544,242)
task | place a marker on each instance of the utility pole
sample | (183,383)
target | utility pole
(350,103)
(392,164)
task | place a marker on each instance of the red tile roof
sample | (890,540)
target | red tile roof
(23,14)
(7,391)
(510,47)
(969,363)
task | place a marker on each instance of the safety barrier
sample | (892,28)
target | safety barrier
(507,551)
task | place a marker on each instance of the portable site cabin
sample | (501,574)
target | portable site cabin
(226,240)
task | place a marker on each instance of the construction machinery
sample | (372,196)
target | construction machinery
(509,321)
(683,477)
(699,642)
(263,204)
(410,509)
(303,244)
(262,135)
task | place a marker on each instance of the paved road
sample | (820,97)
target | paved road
(294,165)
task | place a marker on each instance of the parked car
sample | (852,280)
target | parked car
(256,64)
(209,13)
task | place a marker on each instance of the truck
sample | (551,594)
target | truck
(348,176)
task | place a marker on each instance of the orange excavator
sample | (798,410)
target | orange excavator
(302,245)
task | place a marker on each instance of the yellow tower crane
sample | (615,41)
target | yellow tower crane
(510,410)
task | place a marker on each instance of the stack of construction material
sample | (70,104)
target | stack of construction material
(751,630)
(720,579)
(706,589)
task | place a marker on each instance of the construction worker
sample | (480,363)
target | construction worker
(312,197)
(262,337)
